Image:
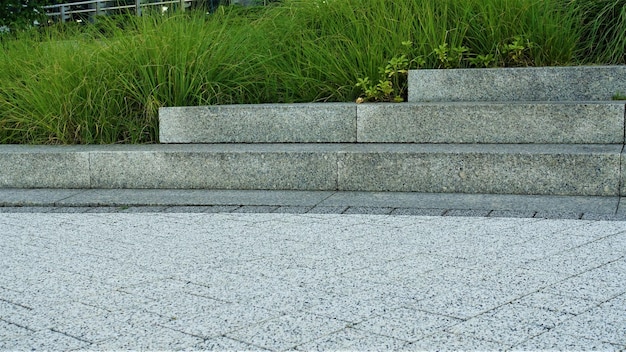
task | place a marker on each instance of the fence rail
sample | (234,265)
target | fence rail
(87,10)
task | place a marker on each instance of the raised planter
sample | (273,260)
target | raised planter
(538,131)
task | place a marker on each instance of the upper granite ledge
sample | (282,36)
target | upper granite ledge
(575,83)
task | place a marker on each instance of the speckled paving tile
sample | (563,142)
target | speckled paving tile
(515,281)
(219,320)
(108,326)
(574,261)
(510,324)
(451,342)
(601,324)
(588,287)
(114,300)
(51,314)
(355,309)
(290,301)
(43,340)
(618,302)
(284,281)
(353,340)
(287,331)
(556,303)
(10,331)
(465,303)
(223,343)
(553,340)
(407,324)
(149,338)
(400,270)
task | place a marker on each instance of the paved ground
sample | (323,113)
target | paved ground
(181,280)
(396,203)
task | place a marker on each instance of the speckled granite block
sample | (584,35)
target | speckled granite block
(214,166)
(23,166)
(591,123)
(259,123)
(492,169)
(576,83)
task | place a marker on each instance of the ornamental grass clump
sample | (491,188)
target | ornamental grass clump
(104,83)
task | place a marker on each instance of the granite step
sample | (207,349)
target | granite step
(575,83)
(469,122)
(533,169)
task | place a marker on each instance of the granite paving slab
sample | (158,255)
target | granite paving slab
(267,281)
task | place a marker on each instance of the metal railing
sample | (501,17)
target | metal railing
(88,9)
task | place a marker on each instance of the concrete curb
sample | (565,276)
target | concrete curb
(300,202)
(381,203)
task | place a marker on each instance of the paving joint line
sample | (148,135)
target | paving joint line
(72,336)
(341,211)
(57,202)
(15,304)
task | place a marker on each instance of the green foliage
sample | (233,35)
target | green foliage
(450,57)
(19,14)
(482,61)
(517,52)
(393,86)
(619,96)
(603,36)
(104,83)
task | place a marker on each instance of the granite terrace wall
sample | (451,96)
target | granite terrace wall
(468,122)
(533,131)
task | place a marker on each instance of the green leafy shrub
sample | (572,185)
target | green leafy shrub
(19,14)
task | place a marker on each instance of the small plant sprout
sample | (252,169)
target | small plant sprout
(518,51)
(393,86)
(483,61)
(450,57)
(619,96)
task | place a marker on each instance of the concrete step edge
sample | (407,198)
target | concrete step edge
(586,170)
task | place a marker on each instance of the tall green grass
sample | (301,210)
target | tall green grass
(104,83)
(603,38)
